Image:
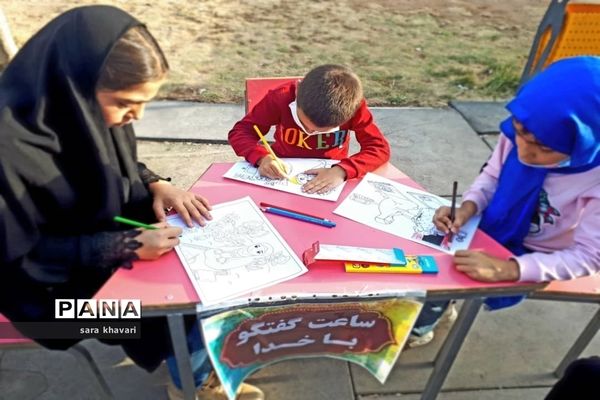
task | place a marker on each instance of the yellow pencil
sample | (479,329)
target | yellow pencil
(270,150)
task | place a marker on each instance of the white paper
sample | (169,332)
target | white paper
(237,252)
(402,211)
(361,254)
(243,171)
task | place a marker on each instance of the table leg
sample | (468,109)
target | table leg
(580,344)
(182,355)
(451,346)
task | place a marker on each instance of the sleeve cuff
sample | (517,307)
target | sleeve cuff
(350,172)
(528,270)
(475,198)
(254,157)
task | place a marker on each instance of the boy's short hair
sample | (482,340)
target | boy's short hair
(329,95)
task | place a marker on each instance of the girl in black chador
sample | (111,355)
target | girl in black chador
(68,165)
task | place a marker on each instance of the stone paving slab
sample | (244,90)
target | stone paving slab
(483,116)
(490,140)
(516,347)
(314,379)
(433,146)
(496,394)
(21,385)
(183,162)
(182,120)
(127,380)
(44,375)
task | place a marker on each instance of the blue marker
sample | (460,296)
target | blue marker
(300,217)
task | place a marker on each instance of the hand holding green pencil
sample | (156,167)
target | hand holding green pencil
(155,240)
(131,222)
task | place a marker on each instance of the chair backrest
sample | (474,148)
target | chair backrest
(567,30)
(257,88)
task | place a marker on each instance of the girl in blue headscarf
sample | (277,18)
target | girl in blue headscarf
(539,194)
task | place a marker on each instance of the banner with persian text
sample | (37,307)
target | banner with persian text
(368,333)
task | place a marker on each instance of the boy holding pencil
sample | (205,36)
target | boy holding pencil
(313,119)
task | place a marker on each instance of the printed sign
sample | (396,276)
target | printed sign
(370,334)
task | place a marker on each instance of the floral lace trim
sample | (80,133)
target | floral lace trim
(111,249)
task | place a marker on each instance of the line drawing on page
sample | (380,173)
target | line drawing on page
(296,167)
(238,251)
(402,211)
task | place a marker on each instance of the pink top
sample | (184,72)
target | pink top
(164,283)
(565,233)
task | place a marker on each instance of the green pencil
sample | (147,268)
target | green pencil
(133,223)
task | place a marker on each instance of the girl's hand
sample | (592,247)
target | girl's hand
(191,207)
(271,168)
(326,179)
(485,268)
(156,242)
(441,218)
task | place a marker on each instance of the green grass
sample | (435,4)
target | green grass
(417,54)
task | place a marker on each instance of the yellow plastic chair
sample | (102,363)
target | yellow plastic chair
(568,29)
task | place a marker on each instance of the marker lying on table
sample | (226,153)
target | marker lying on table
(300,217)
(131,222)
(263,204)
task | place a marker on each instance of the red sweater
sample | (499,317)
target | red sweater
(292,141)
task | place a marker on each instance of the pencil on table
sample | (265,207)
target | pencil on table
(270,150)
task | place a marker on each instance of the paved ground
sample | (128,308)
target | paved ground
(507,355)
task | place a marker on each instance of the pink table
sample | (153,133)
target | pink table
(164,288)
(164,283)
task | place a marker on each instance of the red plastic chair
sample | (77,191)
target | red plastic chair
(257,88)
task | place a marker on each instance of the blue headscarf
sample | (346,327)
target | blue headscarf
(561,108)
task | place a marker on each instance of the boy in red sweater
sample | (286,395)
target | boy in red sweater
(313,118)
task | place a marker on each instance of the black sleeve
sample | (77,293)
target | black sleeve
(148,176)
(104,250)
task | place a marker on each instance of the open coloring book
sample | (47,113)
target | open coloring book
(243,171)
(237,252)
(402,211)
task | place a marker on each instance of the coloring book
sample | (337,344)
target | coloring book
(243,171)
(402,211)
(237,252)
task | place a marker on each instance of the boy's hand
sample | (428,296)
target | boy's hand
(269,167)
(188,205)
(483,267)
(441,218)
(326,179)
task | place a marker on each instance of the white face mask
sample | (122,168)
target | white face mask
(294,110)
(561,164)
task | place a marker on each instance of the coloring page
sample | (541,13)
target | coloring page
(402,211)
(237,252)
(243,171)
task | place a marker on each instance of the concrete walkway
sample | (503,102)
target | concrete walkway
(508,354)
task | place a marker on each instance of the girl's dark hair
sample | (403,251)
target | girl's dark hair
(136,58)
